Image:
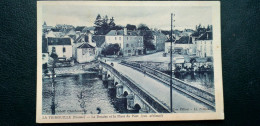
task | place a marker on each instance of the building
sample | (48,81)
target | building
(130,42)
(45,27)
(86,37)
(187,45)
(159,40)
(62,47)
(85,53)
(204,45)
(167,46)
(100,43)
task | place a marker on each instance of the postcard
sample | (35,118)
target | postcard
(113,61)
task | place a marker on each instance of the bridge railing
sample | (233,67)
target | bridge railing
(190,89)
(152,101)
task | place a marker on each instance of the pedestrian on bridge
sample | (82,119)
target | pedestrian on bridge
(144,73)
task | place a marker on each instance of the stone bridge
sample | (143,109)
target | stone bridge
(196,93)
(127,95)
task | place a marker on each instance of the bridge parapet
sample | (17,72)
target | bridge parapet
(146,96)
(199,94)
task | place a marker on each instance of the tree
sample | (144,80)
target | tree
(148,40)
(117,27)
(98,22)
(111,23)
(130,27)
(111,49)
(143,27)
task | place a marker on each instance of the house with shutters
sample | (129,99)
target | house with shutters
(204,45)
(130,42)
(62,47)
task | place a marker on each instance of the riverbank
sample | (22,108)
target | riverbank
(77,69)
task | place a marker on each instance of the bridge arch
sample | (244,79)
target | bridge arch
(137,107)
(125,93)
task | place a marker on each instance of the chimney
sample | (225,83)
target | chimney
(125,31)
(89,37)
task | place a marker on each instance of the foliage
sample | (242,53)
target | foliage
(111,49)
(142,27)
(104,25)
(148,40)
(130,27)
(117,27)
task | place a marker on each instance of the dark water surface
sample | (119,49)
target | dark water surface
(204,80)
(76,94)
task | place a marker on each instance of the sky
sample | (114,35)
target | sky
(153,16)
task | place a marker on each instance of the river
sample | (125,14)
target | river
(76,94)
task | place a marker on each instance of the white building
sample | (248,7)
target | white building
(204,45)
(129,41)
(62,47)
(85,53)
(184,45)
(84,37)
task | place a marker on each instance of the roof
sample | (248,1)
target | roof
(206,36)
(44,45)
(169,39)
(86,39)
(184,40)
(99,39)
(86,45)
(59,41)
(121,32)
(79,28)
(157,33)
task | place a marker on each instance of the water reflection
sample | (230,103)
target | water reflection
(203,79)
(76,94)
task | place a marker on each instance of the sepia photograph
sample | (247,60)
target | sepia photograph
(103,61)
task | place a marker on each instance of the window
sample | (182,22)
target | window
(115,38)
(127,45)
(119,38)
(129,51)
(64,49)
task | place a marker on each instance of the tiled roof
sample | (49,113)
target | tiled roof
(99,39)
(206,36)
(59,41)
(184,40)
(86,45)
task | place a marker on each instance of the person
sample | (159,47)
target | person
(144,73)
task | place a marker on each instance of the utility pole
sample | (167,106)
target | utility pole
(171,66)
